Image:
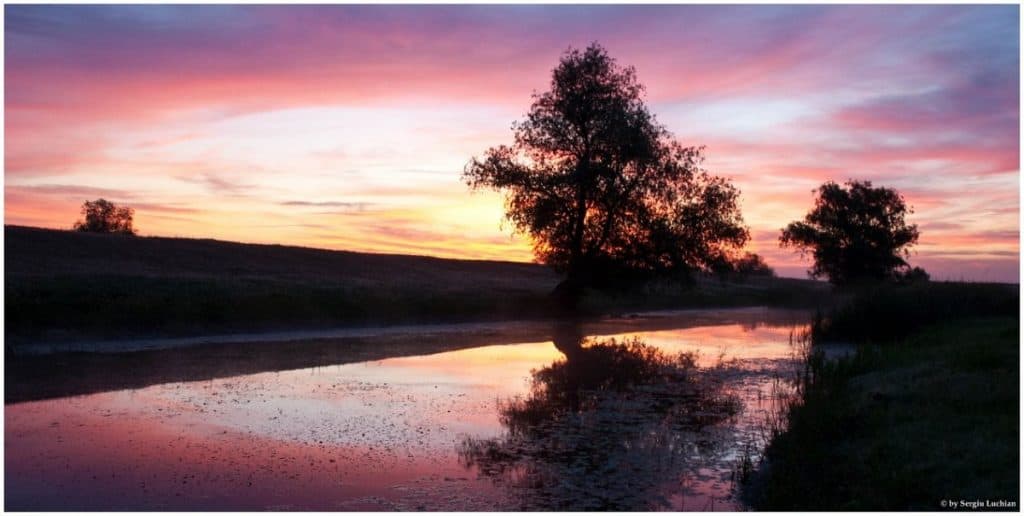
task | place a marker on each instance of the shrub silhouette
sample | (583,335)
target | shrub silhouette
(752,264)
(740,268)
(103,216)
(914,275)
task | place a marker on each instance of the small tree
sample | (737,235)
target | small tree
(740,267)
(855,234)
(603,189)
(103,216)
(752,264)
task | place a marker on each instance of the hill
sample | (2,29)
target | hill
(60,283)
(36,251)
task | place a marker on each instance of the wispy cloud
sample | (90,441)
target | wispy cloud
(76,191)
(356,206)
(217,184)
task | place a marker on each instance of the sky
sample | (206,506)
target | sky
(348,127)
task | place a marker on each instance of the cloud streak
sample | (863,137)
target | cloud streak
(355,206)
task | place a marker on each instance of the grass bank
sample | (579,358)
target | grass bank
(114,306)
(63,285)
(709,291)
(926,410)
(67,285)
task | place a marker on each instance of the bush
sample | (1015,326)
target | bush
(103,216)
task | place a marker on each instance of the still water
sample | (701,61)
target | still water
(480,424)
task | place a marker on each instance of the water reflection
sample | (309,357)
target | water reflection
(30,377)
(403,424)
(614,425)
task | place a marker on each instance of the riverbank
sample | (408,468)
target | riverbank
(63,286)
(924,413)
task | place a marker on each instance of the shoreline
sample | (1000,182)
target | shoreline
(505,329)
(62,286)
(929,398)
(32,377)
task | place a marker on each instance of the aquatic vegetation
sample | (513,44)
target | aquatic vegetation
(613,426)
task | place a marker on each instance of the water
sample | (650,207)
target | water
(412,432)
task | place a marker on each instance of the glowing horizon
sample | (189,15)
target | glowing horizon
(347,127)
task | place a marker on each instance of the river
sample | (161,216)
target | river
(501,416)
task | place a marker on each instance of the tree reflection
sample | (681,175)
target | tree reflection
(608,427)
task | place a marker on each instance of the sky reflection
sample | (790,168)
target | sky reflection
(372,435)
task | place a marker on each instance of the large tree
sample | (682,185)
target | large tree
(601,187)
(857,233)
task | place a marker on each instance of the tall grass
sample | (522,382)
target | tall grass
(886,312)
(925,410)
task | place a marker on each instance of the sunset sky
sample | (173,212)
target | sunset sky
(347,127)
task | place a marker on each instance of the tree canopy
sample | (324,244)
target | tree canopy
(752,264)
(601,187)
(855,233)
(103,216)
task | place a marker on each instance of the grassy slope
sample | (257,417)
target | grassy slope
(928,413)
(62,284)
(110,285)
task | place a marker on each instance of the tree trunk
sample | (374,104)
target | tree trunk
(567,296)
(567,336)
(580,223)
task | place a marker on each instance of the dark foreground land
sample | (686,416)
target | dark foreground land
(63,285)
(923,416)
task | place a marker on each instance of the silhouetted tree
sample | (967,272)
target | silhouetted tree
(601,187)
(103,216)
(752,264)
(915,275)
(855,234)
(740,267)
